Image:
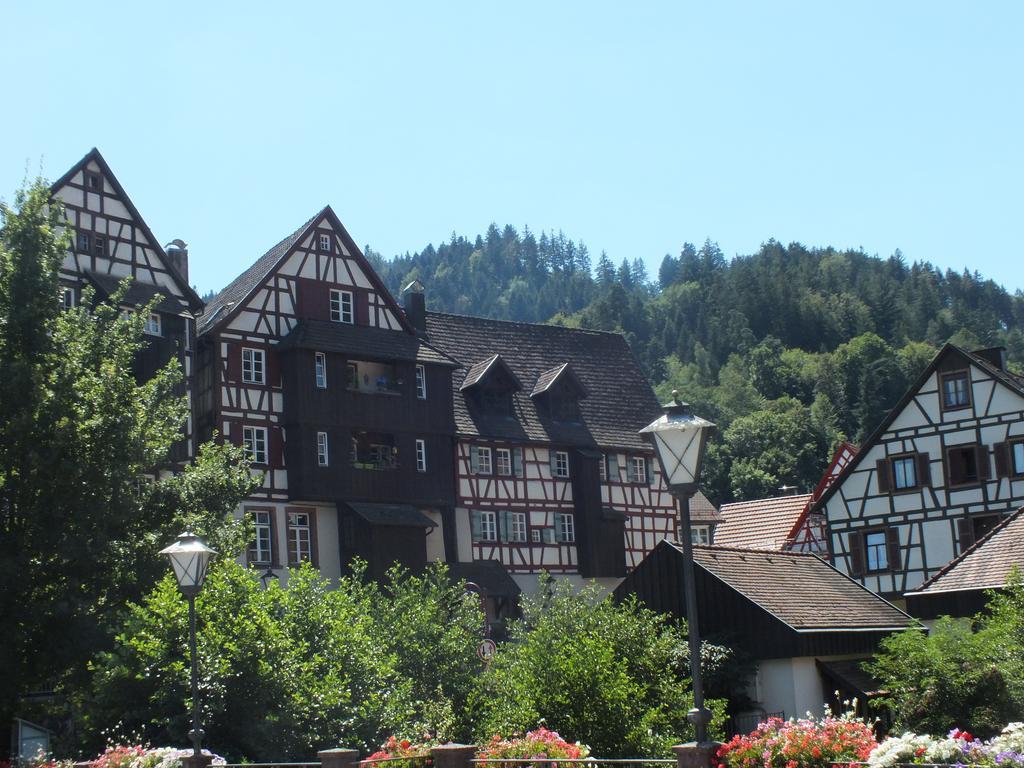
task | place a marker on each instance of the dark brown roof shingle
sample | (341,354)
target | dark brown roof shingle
(799,589)
(373,343)
(619,402)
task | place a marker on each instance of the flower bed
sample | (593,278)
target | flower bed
(541,743)
(957,748)
(401,753)
(798,743)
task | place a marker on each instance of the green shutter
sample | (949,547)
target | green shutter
(630,473)
(504,525)
(551,462)
(548,535)
(558,526)
(474,524)
(474,460)
(613,468)
(517,462)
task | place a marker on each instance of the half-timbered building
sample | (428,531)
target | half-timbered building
(110,243)
(551,473)
(941,470)
(307,361)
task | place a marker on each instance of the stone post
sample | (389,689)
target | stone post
(338,758)
(696,754)
(453,755)
(191,761)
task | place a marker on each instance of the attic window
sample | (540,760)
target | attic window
(92,181)
(325,243)
(84,242)
(956,390)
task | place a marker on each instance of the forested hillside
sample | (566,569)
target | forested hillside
(788,350)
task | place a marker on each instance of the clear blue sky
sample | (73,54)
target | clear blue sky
(632,126)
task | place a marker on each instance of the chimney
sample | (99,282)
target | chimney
(177,254)
(995,356)
(415,304)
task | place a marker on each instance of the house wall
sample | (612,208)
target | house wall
(793,686)
(926,520)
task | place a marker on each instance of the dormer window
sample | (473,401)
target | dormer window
(325,243)
(557,393)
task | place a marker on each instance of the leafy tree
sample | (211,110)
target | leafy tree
(961,673)
(79,525)
(614,677)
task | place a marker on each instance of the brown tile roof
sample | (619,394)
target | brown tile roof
(702,510)
(760,524)
(799,589)
(373,343)
(620,400)
(987,564)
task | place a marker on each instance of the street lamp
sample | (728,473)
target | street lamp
(190,558)
(679,439)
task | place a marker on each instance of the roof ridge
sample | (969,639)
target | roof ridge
(750,550)
(767,498)
(525,322)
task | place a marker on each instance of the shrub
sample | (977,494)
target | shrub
(534,744)
(808,743)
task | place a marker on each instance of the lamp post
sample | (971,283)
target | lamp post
(679,439)
(190,557)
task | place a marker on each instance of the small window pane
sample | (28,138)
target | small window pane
(565,531)
(421,456)
(321,370)
(325,243)
(1018,458)
(875,551)
(904,471)
(299,537)
(488,526)
(321,449)
(263,545)
(421,383)
(504,461)
(483,456)
(341,306)
(253,366)
(254,440)
(561,464)
(700,534)
(518,527)
(955,391)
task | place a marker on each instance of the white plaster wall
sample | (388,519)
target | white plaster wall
(435,539)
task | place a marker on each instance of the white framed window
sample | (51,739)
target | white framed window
(904,472)
(638,469)
(565,528)
(421,455)
(300,537)
(67,298)
(325,243)
(503,459)
(483,460)
(517,527)
(320,368)
(321,449)
(341,306)
(253,366)
(421,382)
(84,241)
(254,440)
(152,325)
(535,536)
(876,554)
(488,526)
(561,465)
(602,468)
(700,534)
(263,546)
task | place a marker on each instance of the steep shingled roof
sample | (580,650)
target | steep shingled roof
(620,400)
(986,565)
(761,523)
(799,589)
(239,288)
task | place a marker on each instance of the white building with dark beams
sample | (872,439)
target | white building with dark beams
(942,469)
(111,242)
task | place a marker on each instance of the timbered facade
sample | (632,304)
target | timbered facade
(306,360)
(111,242)
(551,473)
(942,469)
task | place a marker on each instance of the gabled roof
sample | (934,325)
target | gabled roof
(986,565)
(761,523)
(233,297)
(1014,382)
(799,589)
(371,343)
(559,374)
(620,402)
(702,510)
(194,302)
(478,373)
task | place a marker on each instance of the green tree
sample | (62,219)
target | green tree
(79,525)
(614,677)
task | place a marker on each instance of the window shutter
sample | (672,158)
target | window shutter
(504,525)
(924,470)
(517,462)
(1002,457)
(234,362)
(856,542)
(474,461)
(647,470)
(474,523)
(548,535)
(892,546)
(630,473)
(965,533)
(882,470)
(613,468)
(275,449)
(551,461)
(984,465)
(273,373)
(558,526)
(362,301)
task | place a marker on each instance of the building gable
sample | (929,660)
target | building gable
(109,236)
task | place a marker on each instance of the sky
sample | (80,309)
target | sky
(634,127)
